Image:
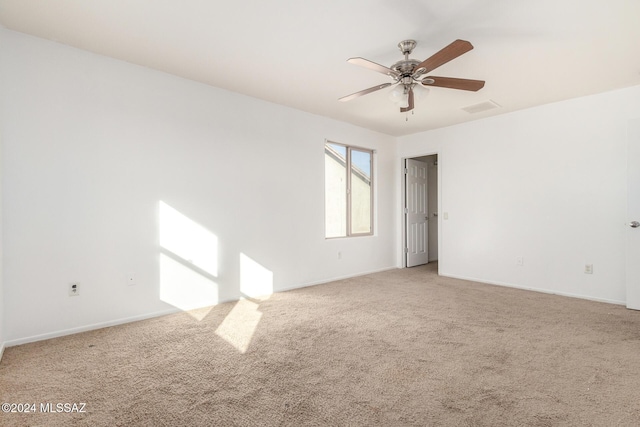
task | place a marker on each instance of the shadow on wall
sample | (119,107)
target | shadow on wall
(189,279)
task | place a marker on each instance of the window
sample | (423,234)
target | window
(348,190)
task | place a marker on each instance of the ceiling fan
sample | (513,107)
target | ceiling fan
(407,73)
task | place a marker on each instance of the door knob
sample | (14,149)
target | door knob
(634,224)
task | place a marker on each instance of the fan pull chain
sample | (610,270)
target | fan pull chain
(406,119)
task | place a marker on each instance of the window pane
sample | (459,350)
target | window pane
(360,192)
(335,193)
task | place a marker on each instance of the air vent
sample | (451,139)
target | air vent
(483,106)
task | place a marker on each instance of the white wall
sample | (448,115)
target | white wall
(93,145)
(547,184)
(2,304)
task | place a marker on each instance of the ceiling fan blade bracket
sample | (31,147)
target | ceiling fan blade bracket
(419,71)
(426,81)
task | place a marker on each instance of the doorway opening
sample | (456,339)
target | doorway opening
(420,201)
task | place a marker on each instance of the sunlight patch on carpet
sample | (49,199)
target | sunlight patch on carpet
(240,324)
(256,284)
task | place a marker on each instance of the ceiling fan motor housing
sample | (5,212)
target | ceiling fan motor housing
(405,66)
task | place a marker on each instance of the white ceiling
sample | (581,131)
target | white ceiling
(294,52)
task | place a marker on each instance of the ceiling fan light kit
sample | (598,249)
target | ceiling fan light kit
(408,74)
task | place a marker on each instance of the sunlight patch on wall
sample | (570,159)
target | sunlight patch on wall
(188,262)
(186,289)
(240,325)
(256,281)
(188,240)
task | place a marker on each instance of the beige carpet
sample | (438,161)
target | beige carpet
(399,348)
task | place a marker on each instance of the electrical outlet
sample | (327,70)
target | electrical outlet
(588,269)
(339,254)
(74,289)
(520,261)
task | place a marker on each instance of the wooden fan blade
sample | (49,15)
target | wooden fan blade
(373,66)
(452,83)
(364,92)
(445,55)
(410,107)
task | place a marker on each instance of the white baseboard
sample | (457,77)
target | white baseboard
(2,345)
(90,327)
(335,279)
(528,288)
(121,321)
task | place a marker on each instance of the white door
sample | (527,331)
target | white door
(417,213)
(633,215)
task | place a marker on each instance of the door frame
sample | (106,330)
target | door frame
(631,237)
(403,204)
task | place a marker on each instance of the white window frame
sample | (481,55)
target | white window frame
(349,149)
